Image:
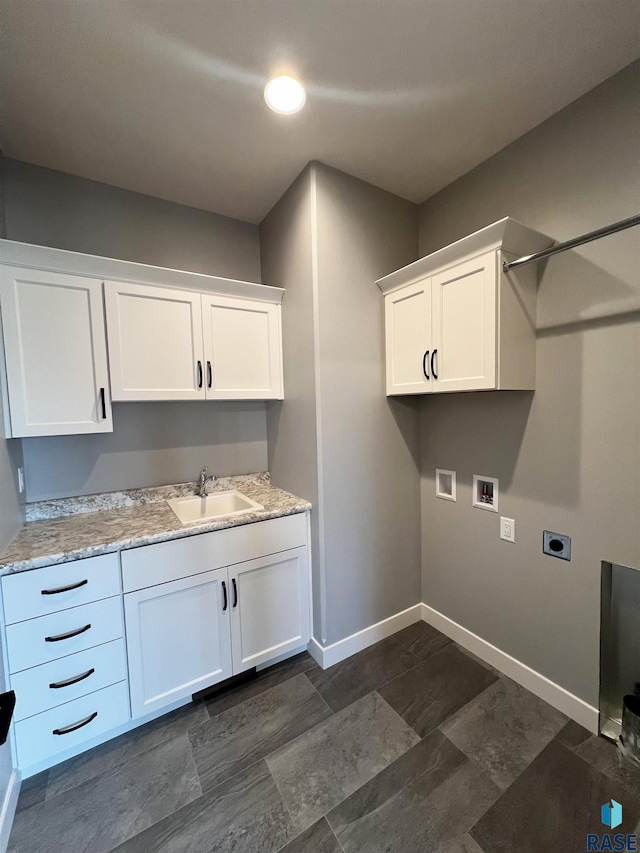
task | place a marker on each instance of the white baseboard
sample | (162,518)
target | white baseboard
(9,809)
(574,707)
(327,656)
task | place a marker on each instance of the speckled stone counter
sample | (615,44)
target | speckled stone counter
(73,528)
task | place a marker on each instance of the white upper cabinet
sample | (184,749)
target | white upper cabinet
(455,322)
(463,329)
(155,342)
(171,335)
(179,345)
(408,328)
(55,355)
(243,349)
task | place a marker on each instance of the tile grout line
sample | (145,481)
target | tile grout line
(273,751)
(331,829)
(333,713)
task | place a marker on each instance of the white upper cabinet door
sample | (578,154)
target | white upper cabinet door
(55,353)
(408,335)
(464,337)
(178,639)
(155,342)
(270,613)
(243,349)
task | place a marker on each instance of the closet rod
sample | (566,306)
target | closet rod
(571,244)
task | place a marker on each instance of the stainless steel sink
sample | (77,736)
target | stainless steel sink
(218,505)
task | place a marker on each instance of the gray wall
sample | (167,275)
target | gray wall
(152,443)
(286,244)
(568,456)
(370,482)
(54,209)
(336,439)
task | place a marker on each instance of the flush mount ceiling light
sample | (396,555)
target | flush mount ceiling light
(284,94)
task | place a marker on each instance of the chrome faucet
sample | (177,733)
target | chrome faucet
(202,491)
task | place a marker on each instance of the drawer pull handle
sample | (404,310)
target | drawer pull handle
(56,685)
(76,726)
(425,359)
(64,588)
(68,636)
(433,368)
(224,592)
(235,592)
(209,375)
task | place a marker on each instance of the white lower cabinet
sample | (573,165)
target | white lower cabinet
(64,656)
(178,639)
(68,726)
(269,607)
(188,633)
(43,687)
(196,611)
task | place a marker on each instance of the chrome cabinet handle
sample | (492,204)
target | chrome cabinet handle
(64,588)
(58,637)
(433,361)
(75,726)
(56,685)
(424,364)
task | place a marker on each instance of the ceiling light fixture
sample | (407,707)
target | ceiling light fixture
(284,95)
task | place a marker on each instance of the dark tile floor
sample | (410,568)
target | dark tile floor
(408,747)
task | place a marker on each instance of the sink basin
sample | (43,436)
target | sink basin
(217,505)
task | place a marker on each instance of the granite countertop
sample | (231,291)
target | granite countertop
(73,528)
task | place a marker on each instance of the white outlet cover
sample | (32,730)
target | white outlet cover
(507,529)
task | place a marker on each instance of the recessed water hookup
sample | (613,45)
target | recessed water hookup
(445,484)
(556,545)
(485,492)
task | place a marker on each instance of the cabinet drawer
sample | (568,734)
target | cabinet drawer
(179,558)
(50,684)
(27,643)
(77,722)
(41,591)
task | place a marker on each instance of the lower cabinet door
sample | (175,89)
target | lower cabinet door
(71,724)
(178,639)
(270,613)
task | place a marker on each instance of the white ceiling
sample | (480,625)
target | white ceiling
(165,96)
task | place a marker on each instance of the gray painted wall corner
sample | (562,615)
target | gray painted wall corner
(286,243)
(370,445)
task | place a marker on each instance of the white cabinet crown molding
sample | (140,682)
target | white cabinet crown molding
(13,253)
(507,234)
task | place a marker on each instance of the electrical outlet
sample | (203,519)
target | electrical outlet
(556,545)
(507,529)
(20,479)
